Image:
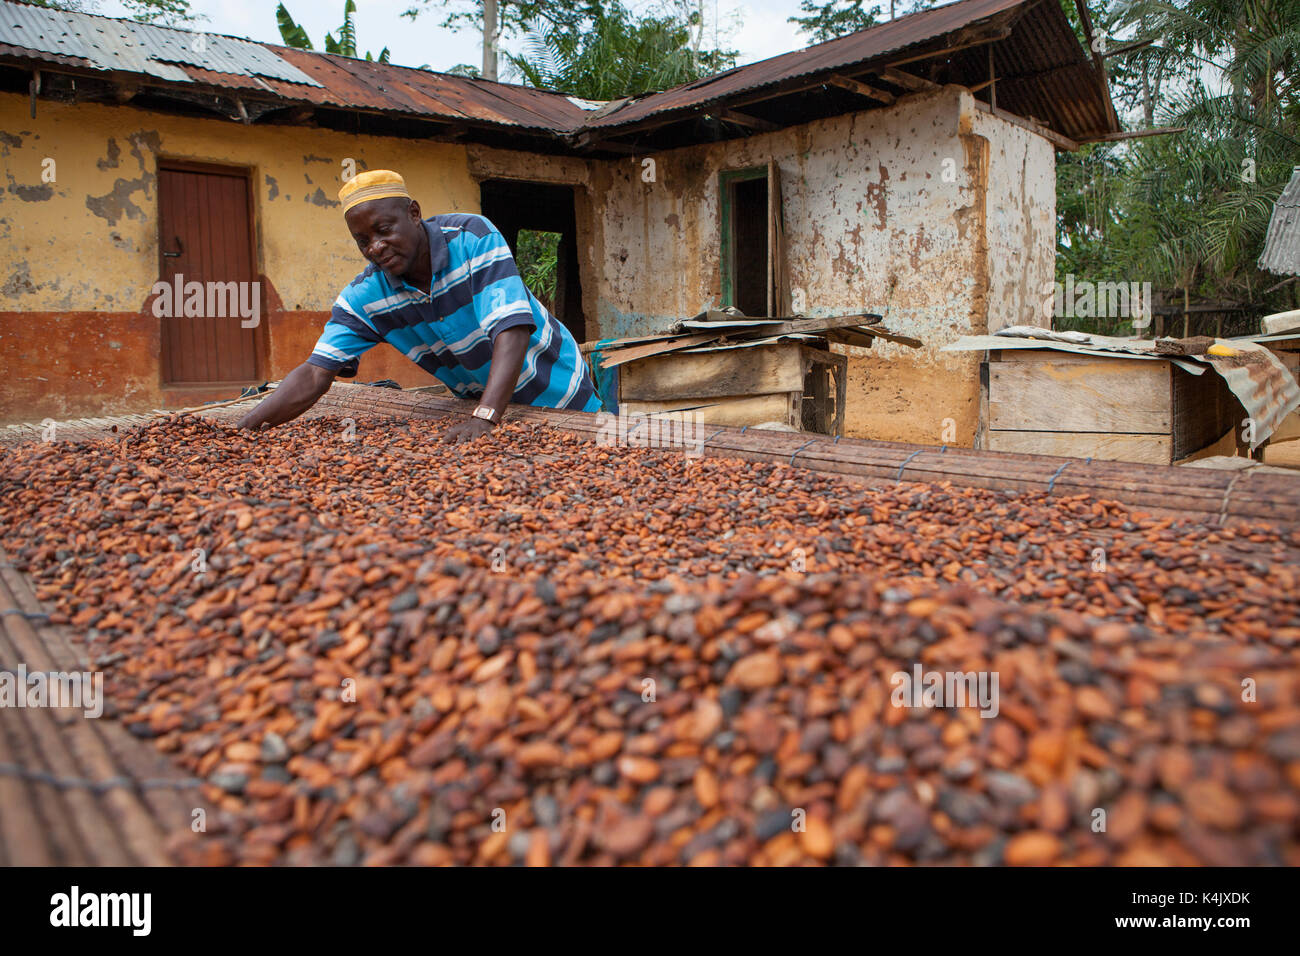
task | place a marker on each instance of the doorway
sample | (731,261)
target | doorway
(540,223)
(205,235)
(754,274)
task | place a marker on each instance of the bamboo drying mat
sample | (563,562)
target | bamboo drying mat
(75,790)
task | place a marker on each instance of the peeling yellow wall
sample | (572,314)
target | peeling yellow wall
(89,240)
(79,234)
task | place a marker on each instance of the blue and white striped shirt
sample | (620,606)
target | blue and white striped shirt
(476,294)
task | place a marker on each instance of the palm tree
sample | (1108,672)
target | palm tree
(1189,211)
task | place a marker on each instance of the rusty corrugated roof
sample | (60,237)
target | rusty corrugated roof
(1043,71)
(1282,241)
(348,82)
(1041,67)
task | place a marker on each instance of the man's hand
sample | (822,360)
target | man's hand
(467,431)
(508,350)
(297,393)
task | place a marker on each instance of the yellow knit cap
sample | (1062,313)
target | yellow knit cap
(374,184)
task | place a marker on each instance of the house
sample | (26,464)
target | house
(908,169)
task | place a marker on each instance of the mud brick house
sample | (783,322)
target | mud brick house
(908,169)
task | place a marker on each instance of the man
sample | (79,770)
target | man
(444,292)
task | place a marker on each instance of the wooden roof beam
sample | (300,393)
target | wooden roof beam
(744,119)
(1134,134)
(907,81)
(862,89)
(1059,141)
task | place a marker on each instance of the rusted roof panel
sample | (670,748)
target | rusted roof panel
(1069,97)
(348,82)
(1043,70)
(1265,387)
(1281,253)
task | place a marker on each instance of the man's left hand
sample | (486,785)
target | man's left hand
(467,431)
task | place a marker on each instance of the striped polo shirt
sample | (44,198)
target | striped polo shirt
(475,295)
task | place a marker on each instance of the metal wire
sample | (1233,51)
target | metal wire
(799,449)
(1052,484)
(899,476)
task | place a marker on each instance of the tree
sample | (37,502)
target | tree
(616,53)
(834,19)
(837,18)
(168,13)
(497,18)
(1189,211)
(346,45)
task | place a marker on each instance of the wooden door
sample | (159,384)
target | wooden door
(205,235)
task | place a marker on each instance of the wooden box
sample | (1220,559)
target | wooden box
(1048,402)
(794,385)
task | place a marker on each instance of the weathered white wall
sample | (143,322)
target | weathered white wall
(928,211)
(1021,206)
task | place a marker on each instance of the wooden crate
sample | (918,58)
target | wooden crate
(792,384)
(1046,402)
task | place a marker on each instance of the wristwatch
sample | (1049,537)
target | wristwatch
(488,414)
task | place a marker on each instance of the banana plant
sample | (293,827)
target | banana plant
(296,37)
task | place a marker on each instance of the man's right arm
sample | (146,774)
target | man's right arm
(299,391)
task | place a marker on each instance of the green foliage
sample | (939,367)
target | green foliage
(516,16)
(616,53)
(837,18)
(290,31)
(834,19)
(346,45)
(167,13)
(1189,211)
(537,257)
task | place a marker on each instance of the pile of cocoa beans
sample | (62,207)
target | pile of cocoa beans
(375,648)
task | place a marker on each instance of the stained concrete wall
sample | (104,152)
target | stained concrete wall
(79,255)
(937,215)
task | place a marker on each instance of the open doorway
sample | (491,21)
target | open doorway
(745,209)
(754,276)
(540,223)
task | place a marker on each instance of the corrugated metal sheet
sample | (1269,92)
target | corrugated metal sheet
(1057,83)
(1061,85)
(348,82)
(1282,241)
(125,46)
(1264,386)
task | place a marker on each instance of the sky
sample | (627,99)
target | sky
(757,28)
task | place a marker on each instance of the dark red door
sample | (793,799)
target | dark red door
(206,236)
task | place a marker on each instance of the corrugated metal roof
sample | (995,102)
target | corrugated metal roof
(1044,71)
(348,82)
(1060,86)
(1282,241)
(126,46)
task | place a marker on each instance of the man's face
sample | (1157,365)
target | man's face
(388,232)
